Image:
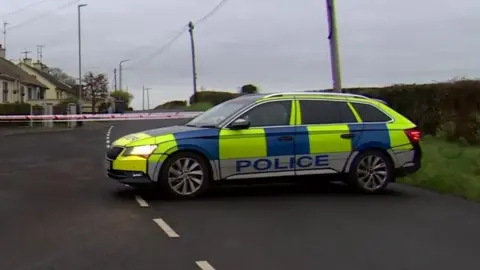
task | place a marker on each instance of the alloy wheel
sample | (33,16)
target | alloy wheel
(185,176)
(372,172)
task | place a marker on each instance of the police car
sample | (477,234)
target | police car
(273,135)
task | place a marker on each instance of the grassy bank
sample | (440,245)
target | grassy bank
(448,168)
(199,107)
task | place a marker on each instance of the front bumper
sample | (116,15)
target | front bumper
(126,177)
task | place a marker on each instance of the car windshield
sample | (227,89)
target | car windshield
(217,114)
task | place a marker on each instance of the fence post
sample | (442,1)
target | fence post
(31,113)
(47,110)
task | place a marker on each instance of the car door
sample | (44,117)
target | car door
(265,149)
(323,141)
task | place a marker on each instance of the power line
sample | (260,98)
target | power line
(184,29)
(161,49)
(24,8)
(212,12)
(44,14)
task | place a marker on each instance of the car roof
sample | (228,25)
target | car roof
(309,93)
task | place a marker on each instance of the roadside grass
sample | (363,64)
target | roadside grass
(199,107)
(448,168)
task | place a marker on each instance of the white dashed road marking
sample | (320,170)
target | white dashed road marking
(166,228)
(107,137)
(204,265)
(141,201)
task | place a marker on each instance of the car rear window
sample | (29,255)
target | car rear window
(326,112)
(370,113)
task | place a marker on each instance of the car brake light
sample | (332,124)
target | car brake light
(414,135)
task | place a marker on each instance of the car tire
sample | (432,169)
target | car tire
(370,172)
(185,175)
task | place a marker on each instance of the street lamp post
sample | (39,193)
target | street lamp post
(120,72)
(80,59)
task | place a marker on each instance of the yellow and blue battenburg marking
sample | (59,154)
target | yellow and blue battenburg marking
(278,149)
(369,135)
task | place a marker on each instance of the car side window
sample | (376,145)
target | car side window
(369,113)
(326,112)
(276,113)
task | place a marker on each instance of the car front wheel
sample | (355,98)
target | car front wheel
(371,172)
(185,175)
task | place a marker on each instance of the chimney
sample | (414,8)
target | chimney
(27,61)
(38,65)
(2,51)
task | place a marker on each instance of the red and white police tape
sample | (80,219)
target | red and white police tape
(100,117)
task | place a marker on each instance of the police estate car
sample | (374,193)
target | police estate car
(273,135)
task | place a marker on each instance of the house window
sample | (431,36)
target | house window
(40,93)
(58,94)
(4,92)
(30,93)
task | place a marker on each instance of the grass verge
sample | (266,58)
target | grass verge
(448,168)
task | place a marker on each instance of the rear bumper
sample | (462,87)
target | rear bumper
(413,166)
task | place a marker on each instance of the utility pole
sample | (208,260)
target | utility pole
(120,73)
(26,54)
(334,51)
(148,98)
(115,79)
(40,53)
(80,59)
(5,23)
(194,66)
(143,97)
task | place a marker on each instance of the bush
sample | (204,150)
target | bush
(212,97)
(172,104)
(15,109)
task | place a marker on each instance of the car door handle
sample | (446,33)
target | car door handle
(286,138)
(347,136)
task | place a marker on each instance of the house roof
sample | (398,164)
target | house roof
(11,70)
(58,84)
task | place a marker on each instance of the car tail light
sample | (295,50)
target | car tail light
(414,135)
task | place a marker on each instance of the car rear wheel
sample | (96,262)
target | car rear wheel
(371,172)
(185,175)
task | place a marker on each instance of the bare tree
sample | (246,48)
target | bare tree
(95,87)
(61,76)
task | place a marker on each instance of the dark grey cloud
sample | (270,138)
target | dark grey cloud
(277,44)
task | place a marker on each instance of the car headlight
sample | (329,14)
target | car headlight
(143,150)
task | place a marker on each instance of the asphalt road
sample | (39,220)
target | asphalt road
(59,211)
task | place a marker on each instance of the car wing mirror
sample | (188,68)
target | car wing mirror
(239,124)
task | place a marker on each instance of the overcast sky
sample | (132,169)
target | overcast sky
(275,44)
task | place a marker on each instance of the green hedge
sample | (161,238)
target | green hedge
(18,109)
